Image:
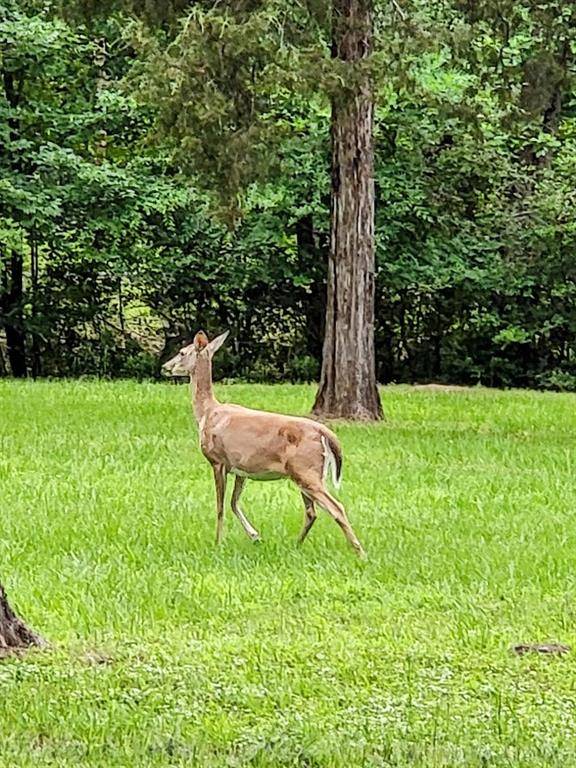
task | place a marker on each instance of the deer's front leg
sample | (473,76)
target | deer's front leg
(220,482)
(246,524)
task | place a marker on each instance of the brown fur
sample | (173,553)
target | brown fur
(200,340)
(292,434)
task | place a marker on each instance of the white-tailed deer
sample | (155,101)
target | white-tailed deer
(260,445)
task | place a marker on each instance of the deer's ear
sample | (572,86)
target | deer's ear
(216,343)
(200,341)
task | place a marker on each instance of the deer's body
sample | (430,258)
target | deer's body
(264,446)
(260,446)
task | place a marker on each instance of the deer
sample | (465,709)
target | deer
(260,445)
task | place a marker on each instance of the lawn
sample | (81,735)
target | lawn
(168,652)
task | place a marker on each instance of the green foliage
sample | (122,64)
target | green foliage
(475,233)
(104,107)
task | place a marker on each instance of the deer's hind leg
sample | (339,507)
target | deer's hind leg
(319,494)
(310,517)
(246,524)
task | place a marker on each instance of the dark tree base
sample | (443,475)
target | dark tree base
(14,634)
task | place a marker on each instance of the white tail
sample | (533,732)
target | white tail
(330,464)
(260,445)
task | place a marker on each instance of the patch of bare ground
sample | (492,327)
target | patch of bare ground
(443,387)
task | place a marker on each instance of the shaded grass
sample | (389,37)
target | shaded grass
(170,652)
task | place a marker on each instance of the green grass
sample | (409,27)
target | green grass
(167,651)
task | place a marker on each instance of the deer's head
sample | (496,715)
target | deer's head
(184,363)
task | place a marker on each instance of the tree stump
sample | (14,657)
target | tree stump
(14,634)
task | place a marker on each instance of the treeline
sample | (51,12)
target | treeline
(147,190)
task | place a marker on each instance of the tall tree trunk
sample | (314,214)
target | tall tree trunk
(13,632)
(13,320)
(35,347)
(348,387)
(11,300)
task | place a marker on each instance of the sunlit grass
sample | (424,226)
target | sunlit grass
(167,651)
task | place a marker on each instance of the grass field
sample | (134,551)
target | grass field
(168,652)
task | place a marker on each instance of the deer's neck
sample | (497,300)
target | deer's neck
(202,392)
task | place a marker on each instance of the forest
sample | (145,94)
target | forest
(165,166)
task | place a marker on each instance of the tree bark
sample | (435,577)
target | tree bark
(14,633)
(13,317)
(348,387)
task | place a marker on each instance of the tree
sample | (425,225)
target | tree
(11,262)
(14,633)
(348,387)
(34,65)
(244,59)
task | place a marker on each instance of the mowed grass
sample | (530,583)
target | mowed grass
(168,652)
